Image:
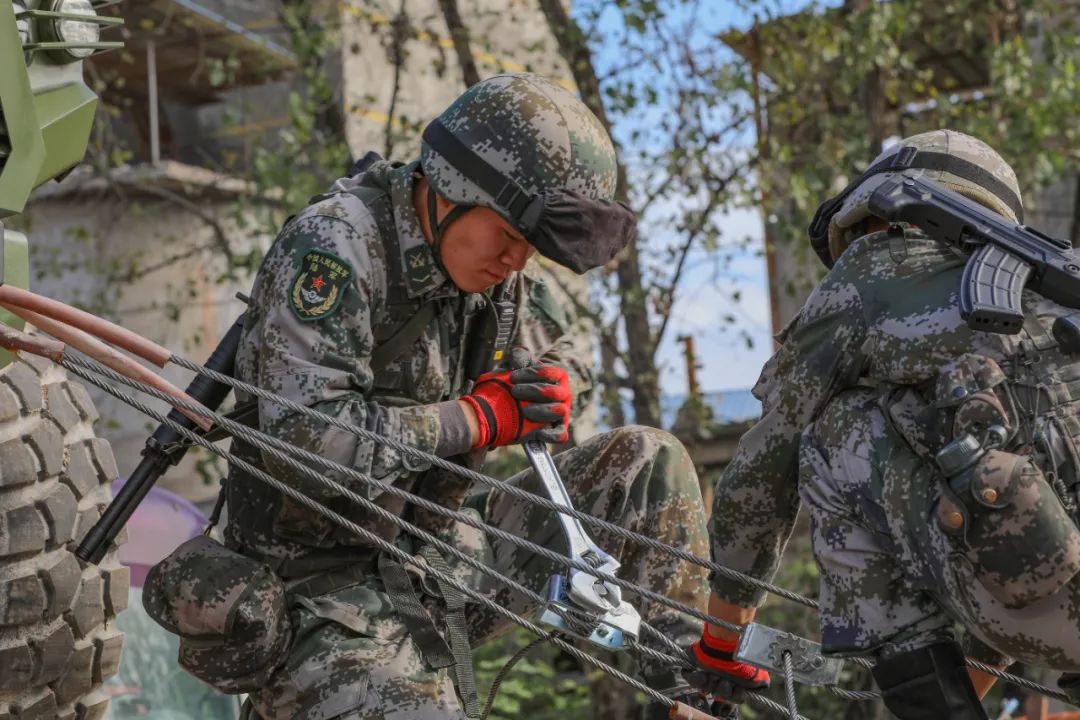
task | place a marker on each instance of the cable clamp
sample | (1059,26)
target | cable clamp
(764,647)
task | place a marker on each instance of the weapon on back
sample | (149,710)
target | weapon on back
(1005,258)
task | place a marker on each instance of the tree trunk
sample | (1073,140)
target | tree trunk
(873,96)
(866,709)
(640,359)
(459,34)
(1074,231)
(611,698)
(876,110)
(610,398)
(331,117)
(399,34)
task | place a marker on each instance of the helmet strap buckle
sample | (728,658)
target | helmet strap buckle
(904,158)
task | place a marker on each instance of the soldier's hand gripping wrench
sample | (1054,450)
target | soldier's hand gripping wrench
(615,619)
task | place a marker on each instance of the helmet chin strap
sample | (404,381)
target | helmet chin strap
(438,228)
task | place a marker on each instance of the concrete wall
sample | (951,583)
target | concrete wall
(182,306)
(506,36)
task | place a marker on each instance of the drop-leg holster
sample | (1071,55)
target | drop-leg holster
(930,683)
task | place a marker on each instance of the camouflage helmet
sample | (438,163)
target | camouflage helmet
(534,153)
(537,133)
(960,162)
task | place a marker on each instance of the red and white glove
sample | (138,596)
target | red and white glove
(528,404)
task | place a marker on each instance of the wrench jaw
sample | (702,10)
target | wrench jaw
(611,629)
(589,591)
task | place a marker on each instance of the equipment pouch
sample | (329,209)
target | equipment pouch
(1011,526)
(229,611)
(968,397)
(970,393)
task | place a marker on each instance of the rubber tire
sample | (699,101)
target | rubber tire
(58,641)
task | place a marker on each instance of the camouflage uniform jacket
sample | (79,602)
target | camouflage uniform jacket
(370,269)
(886,317)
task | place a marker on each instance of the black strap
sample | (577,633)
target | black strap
(523,207)
(910,157)
(716,654)
(219,505)
(376,195)
(969,171)
(335,579)
(407,605)
(402,339)
(457,632)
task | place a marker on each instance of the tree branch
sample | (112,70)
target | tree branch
(692,235)
(607,336)
(459,34)
(221,240)
(399,28)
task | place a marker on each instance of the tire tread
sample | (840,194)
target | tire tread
(57,644)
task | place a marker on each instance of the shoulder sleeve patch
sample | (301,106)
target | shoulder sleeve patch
(319,285)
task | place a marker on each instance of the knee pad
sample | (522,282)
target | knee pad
(930,683)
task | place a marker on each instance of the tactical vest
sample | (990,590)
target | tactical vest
(392,385)
(404,328)
(1003,427)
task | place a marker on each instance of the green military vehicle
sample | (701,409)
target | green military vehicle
(57,639)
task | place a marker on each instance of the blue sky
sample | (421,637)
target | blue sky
(725,360)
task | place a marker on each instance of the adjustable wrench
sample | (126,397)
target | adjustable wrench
(617,618)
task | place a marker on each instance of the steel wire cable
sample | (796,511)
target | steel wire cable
(853,694)
(493,482)
(74,365)
(280,449)
(374,539)
(789,686)
(757,699)
(570,613)
(1022,681)
(493,691)
(762,701)
(989,670)
(682,654)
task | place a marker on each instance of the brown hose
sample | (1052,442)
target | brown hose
(106,355)
(682,711)
(99,327)
(16,341)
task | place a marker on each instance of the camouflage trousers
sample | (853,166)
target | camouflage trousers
(891,579)
(351,657)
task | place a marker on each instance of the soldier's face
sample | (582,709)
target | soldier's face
(479,249)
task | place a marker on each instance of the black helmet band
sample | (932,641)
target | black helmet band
(575,231)
(522,207)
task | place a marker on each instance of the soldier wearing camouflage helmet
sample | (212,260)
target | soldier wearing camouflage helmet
(940,464)
(368,307)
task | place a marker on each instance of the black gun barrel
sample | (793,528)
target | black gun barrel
(164,448)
